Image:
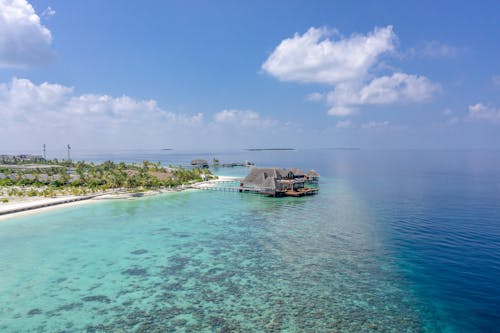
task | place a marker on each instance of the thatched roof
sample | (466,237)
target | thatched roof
(161,175)
(312,173)
(267,177)
(55,177)
(199,162)
(43,177)
(261,177)
(297,172)
(131,173)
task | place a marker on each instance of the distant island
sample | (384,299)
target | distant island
(342,148)
(263,149)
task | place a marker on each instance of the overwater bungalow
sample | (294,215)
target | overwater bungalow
(199,163)
(312,177)
(277,182)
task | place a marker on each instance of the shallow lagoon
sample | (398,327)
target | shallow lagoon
(355,258)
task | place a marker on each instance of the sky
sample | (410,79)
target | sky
(246,74)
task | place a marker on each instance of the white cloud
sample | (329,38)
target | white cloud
(21,97)
(397,88)
(242,118)
(53,113)
(483,112)
(349,65)
(375,125)
(24,41)
(313,57)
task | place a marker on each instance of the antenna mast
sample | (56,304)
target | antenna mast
(44,152)
(69,157)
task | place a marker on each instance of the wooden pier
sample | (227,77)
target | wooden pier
(228,184)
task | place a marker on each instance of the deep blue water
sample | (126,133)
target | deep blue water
(402,241)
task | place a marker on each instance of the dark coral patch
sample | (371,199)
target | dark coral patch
(33,312)
(96,298)
(135,271)
(140,251)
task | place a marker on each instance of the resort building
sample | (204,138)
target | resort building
(43,178)
(312,177)
(278,182)
(199,163)
(22,158)
(28,176)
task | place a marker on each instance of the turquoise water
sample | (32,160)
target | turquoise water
(389,245)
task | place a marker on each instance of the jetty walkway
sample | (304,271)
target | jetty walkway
(224,184)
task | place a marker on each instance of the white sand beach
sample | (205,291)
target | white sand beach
(21,206)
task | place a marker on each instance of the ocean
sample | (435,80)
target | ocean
(396,241)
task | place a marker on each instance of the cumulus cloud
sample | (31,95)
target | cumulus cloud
(349,66)
(22,98)
(481,112)
(313,57)
(397,88)
(54,113)
(24,41)
(242,118)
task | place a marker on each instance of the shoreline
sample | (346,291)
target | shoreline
(33,205)
(23,206)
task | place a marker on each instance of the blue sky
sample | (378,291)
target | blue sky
(235,74)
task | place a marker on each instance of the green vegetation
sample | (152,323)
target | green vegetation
(79,178)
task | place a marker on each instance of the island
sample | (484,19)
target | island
(265,149)
(26,179)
